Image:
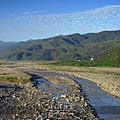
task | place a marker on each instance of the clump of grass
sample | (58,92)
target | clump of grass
(13,75)
(7,63)
(15,79)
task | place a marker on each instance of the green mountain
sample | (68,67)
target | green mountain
(111,57)
(69,47)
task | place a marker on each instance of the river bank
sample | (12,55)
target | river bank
(109,83)
(108,79)
(18,101)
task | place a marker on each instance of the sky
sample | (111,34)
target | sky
(21,20)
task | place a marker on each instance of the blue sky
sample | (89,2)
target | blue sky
(33,19)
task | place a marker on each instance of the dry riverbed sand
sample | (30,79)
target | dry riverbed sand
(23,101)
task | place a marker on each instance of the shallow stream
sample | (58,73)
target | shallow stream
(106,106)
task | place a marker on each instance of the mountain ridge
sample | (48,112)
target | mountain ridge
(67,47)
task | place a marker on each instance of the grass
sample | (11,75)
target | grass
(94,63)
(9,74)
(15,79)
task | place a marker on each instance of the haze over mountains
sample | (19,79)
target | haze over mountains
(69,47)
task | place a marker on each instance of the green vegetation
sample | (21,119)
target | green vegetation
(8,73)
(95,63)
(110,58)
(67,48)
(5,63)
(15,79)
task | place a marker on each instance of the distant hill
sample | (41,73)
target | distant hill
(69,47)
(4,46)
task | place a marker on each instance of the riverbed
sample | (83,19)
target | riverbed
(50,97)
(106,106)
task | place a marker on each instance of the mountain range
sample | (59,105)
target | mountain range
(67,47)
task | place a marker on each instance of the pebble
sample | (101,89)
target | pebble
(30,103)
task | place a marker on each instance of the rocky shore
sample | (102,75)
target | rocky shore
(18,101)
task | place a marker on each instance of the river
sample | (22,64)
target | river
(106,106)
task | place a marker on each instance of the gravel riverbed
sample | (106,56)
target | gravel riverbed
(108,79)
(18,101)
(109,83)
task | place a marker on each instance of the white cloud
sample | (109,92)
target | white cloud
(33,25)
(30,13)
(26,13)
